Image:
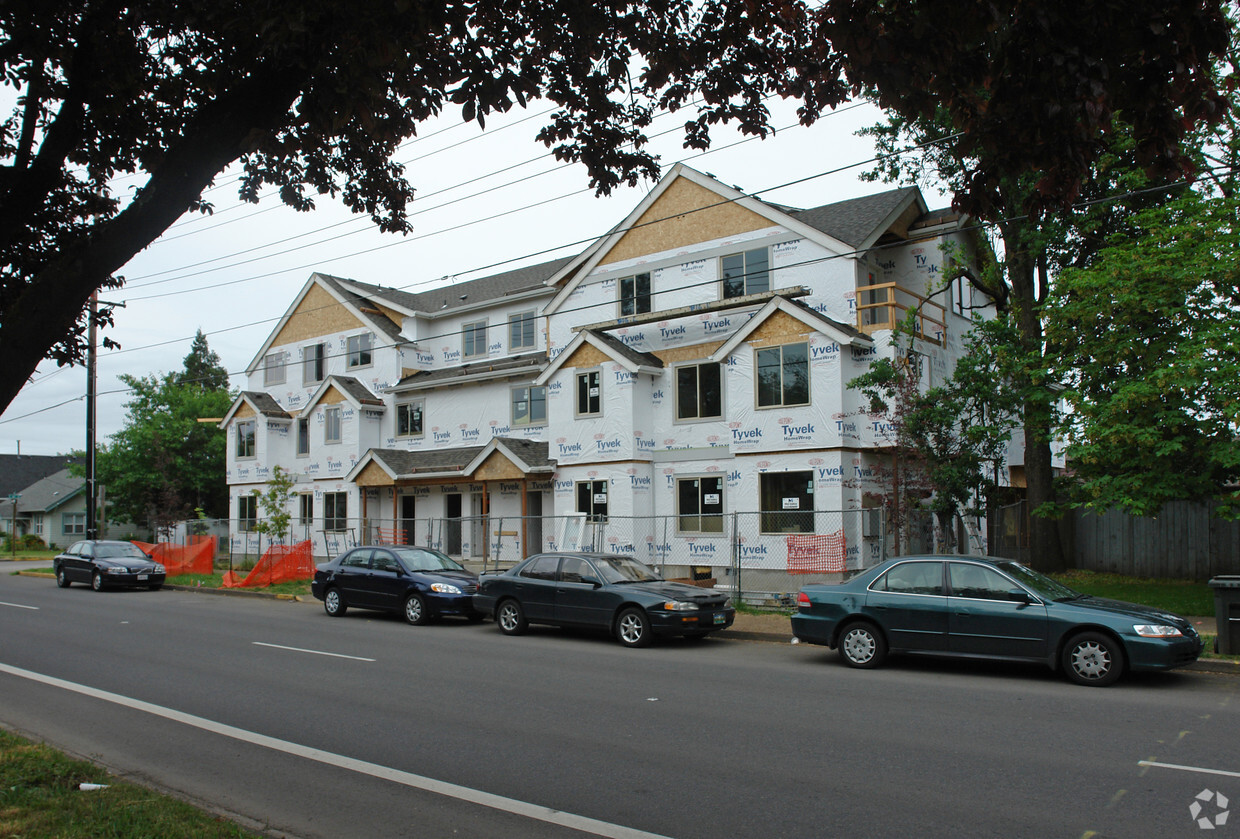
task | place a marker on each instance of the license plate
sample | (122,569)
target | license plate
(720,617)
(142,576)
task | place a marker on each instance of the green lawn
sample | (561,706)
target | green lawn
(1181,597)
(40,798)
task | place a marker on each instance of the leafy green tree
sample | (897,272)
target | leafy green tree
(313,96)
(202,366)
(1146,341)
(163,462)
(275,501)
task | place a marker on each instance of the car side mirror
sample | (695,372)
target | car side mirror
(594,581)
(1019,595)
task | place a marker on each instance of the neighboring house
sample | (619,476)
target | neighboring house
(19,471)
(689,365)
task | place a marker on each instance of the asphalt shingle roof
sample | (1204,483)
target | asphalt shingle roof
(50,492)
(18,471)
(854,220)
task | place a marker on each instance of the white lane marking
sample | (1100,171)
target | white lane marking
(19,606)
(312,652)
(374,770)
(1188,768)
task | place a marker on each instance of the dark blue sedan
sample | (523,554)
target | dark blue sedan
(420,583)
(982,607)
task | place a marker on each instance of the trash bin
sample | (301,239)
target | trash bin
(1227,613)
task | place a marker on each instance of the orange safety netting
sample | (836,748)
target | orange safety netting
(817,554)
(198,557)
(279,564)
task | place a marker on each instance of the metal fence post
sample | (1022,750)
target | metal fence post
(736,555)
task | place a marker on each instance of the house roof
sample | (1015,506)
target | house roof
(49,493)
(858,221)
(458,462)
(841,333)
(352,389)
(630,359)
(18,471)
(487,368)
(263,403)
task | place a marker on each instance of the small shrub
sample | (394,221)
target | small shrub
(31,542)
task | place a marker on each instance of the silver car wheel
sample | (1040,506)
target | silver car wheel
(415,610)
(633,628)
(859,645)
(1093,659)
(333,604)
(511,618)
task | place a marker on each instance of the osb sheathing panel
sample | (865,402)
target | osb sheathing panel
(587,355)
(317,315)
(675,355)
(331,397)
(393,315)
(779,328)
(497,468)
(244,412)
(373,476)
(673,229)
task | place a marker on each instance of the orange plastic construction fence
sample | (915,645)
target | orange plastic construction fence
(279,564)
(198,557)
(817,554)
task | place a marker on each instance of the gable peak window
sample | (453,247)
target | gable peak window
(590,393)
(699,391)
(635,294)
(359,350)
(313,364)
(744,273)
(782,375)
(246,433)
(273,368)
(331,424)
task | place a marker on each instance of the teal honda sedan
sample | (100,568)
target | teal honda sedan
(983,607)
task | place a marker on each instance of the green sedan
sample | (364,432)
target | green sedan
(983,607)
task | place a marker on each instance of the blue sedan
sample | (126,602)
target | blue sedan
(982,607)
(421,584)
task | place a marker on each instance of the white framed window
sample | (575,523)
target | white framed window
(474,339)
(247,512)
(786,502)
(273,368)
(331,424)
(782,378)
(73,524)
(335,510)
(303,437)
(699,504)
(38,525)
(745,273)
(359,350)
(246,433)
(592,499)
(590,393)
(521,330)
(313,364)
(409,418)
(634,294)
(529,406)
(699,391)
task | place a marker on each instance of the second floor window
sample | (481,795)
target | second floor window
(635,294)
(699,392)
(303,437)
(331,424)
(783,375)
(409,419)
(529,406)
(273,368)
(313,364)
(589,393)
(359,349)
(745,273)
(245,439)
(474,339)
(521,328)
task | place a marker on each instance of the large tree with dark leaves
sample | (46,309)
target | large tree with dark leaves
(312,96)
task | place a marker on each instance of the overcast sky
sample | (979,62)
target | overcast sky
(488,201)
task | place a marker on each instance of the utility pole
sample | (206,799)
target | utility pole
(92,487)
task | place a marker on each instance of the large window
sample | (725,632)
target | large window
(273,368)
(635,294)
(313,364)
(73,524)
(745,273)
(247,512)
(699,392)
(409,419)
(529,406)
(474,339)
(699,504)
(590,393)
(303,437)
(592,499)
(245,439)
(359,349)
(335,510)
(331,424)
(521,328)
(787,502)
(783,375)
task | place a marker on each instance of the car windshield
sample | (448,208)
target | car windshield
(1039,583)
(619,569)
(115,551)
(425,559)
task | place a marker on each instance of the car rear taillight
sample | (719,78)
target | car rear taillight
(803,601)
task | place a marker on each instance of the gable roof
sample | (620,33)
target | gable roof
(18,471)
(630,359)
(401,464)
(482,370)
(261,402)
(49,493)
(841,333)
(859,222)
(352,390)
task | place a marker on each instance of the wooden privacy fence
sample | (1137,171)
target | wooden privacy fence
(1185,541)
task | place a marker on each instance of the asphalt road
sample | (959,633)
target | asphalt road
(306,726)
